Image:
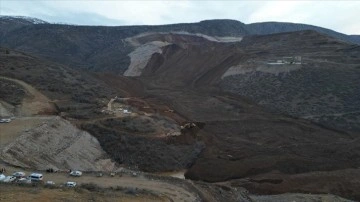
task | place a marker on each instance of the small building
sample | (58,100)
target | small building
(287,61)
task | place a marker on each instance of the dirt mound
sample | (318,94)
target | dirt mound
(56,143)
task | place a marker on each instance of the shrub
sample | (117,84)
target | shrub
(91,187)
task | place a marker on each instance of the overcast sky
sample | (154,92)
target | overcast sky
(341,16)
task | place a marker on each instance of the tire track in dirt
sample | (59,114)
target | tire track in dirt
(35,102)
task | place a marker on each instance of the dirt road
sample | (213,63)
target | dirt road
(35,102)
(172,191)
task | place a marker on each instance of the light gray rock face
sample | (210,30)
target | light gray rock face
(56,143)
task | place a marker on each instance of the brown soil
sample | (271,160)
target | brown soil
(239,139)
(165,188)
(340,182)
(34,102)
(10,131)
(37,194)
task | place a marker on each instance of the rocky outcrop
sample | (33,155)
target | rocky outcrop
(56,143)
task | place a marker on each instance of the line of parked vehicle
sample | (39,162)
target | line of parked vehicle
(21,178)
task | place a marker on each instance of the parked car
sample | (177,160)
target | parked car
(50,183)
(19,174)
(36,177)
(5,120)
(9,179)
(76,173)
(70,184)
(2,177)
(24,180)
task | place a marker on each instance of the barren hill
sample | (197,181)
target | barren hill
(245,110)
(101,48)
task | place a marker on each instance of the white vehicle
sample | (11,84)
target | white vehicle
(19,174)
(9,179)
(76,173)
(2,177)
(36,177)
(5,120)
(50,183)
(70,184)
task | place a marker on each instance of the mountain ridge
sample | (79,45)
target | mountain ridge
(260,28)
(104,48)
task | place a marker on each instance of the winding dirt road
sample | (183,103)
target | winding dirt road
(34,102)
(170,190)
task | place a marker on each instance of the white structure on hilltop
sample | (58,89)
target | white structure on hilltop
(295,60)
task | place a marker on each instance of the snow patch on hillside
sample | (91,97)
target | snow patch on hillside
(24,18)
(225,39)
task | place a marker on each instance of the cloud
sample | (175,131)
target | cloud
(340,16)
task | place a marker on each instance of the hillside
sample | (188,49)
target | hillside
(273,113)
(100,48)
(324,88)
(75,94)
(264,28)
(242,139)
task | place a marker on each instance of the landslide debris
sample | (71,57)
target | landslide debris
(132,141)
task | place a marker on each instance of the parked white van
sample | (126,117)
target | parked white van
(36,177)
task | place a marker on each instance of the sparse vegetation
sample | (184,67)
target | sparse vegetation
(11,92)
(307,93)
(142,151)
(232,137)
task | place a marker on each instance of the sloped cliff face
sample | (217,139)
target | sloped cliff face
(56,143)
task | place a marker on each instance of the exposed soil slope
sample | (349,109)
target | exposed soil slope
(55,143)
(34,102)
